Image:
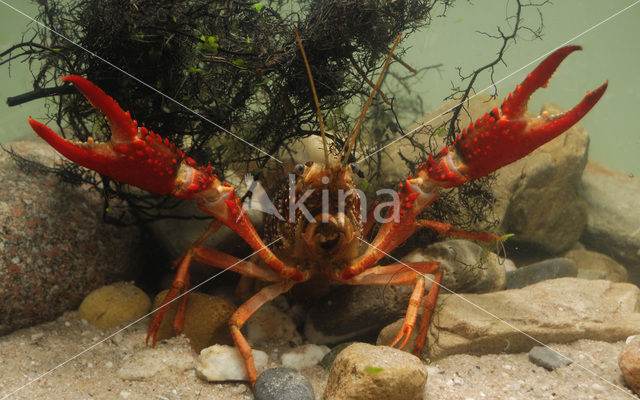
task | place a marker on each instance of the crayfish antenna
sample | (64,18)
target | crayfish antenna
(351,140)
(315,99)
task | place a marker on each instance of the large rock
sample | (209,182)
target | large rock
(363,371)
(613,226)
(54,245)
(468,268)
(559,310)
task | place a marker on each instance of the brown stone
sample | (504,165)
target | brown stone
(206,320)
(113,305)
(364,371)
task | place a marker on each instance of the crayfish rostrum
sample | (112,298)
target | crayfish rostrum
(322,238)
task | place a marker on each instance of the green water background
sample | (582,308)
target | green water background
(611,52)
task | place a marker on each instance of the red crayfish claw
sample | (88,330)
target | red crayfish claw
(505,135)
(135,155)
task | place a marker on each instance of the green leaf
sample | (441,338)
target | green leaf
(257,6)
(372,370)
(208,44)
(507,236)
(439,131)
(238,62)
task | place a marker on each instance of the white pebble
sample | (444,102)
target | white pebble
(124,394)
(630,338)
(67,324)
(225,363)
(108,364)
(597,387)
(304,356)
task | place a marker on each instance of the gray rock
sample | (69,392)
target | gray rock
(468,268)
(55,247)
(547,358)
(355,312)
(594,265)
(282,384)
(613,227)
(553,311)
(538,272)
(363,371)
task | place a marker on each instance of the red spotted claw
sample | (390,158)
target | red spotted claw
(135,155)
(505,135)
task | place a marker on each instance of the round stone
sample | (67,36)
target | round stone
(282,384)
(113,305)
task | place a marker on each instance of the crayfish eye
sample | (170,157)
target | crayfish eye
(299,169)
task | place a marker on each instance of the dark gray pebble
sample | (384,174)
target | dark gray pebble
(547,358)
(541,271)
(282,384)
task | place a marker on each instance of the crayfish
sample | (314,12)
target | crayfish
(322,238)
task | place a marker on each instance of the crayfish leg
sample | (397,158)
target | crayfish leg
(407,274)
(246,310)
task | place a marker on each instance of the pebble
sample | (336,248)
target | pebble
(629,363)
(225,363)
(269,327)
(282,384)
(304,356)
(113,305)
(541,271)
(547,358)
(206,319)
(364,371)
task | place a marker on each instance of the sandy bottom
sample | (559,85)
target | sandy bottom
(70,359)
